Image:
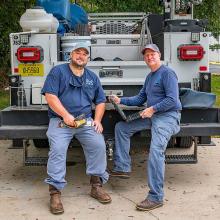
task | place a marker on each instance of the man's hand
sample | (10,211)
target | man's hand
(115,98)
(55,104)
(98,126)
(69,120)
(147,113)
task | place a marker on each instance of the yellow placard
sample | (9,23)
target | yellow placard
(33,69)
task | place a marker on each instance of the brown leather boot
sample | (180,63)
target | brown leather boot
(97,191)
(56,206)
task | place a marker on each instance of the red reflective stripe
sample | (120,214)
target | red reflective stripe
(16,70)
(203,68)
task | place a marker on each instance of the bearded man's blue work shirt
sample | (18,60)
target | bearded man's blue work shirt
(75,93)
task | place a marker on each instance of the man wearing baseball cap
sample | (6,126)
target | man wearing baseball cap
(160,94)
(70,90)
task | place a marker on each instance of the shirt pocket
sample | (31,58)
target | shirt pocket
(157,87)
(89,91)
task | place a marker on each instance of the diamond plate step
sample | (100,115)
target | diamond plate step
(42,161)
(181,159)
(35,161)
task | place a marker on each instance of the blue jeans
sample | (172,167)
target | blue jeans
(163,126)
(93,145)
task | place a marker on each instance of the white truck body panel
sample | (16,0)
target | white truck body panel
(185,70)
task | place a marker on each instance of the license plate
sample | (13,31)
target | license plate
(118,73)
(36,69)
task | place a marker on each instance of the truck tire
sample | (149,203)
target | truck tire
(41,143)
(171,143)
(184,142)
(17,143)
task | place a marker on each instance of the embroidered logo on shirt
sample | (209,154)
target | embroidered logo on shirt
(89,82)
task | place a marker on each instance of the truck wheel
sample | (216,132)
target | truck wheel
(41,143)
(17,143)
(184,142)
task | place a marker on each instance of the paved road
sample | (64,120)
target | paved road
(192,192)
(214,68)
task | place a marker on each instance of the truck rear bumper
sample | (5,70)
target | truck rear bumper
(22,132)
(32,124)
(39,132)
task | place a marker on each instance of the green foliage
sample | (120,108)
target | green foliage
(216,88)
(10,13)
(214,47)
(209,9)
(4,99)
(121,6)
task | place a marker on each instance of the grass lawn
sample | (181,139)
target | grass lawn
(216,88)
(4,95)
(4,99)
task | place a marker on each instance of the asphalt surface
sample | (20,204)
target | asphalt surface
(214,68)
(192,192)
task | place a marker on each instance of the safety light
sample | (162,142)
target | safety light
(30,54)
(190,52)
(24,38)
(195,36)
(203,68)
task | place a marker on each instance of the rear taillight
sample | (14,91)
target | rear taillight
(190,52)
(203,68)
(30,54)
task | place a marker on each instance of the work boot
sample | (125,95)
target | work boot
(120,174)
(148,205)
(97,191)
(56,206)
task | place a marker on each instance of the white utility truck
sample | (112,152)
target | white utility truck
(115,56)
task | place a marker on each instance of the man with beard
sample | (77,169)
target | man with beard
(70,90)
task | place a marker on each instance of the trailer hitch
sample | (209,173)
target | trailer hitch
(110,148)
